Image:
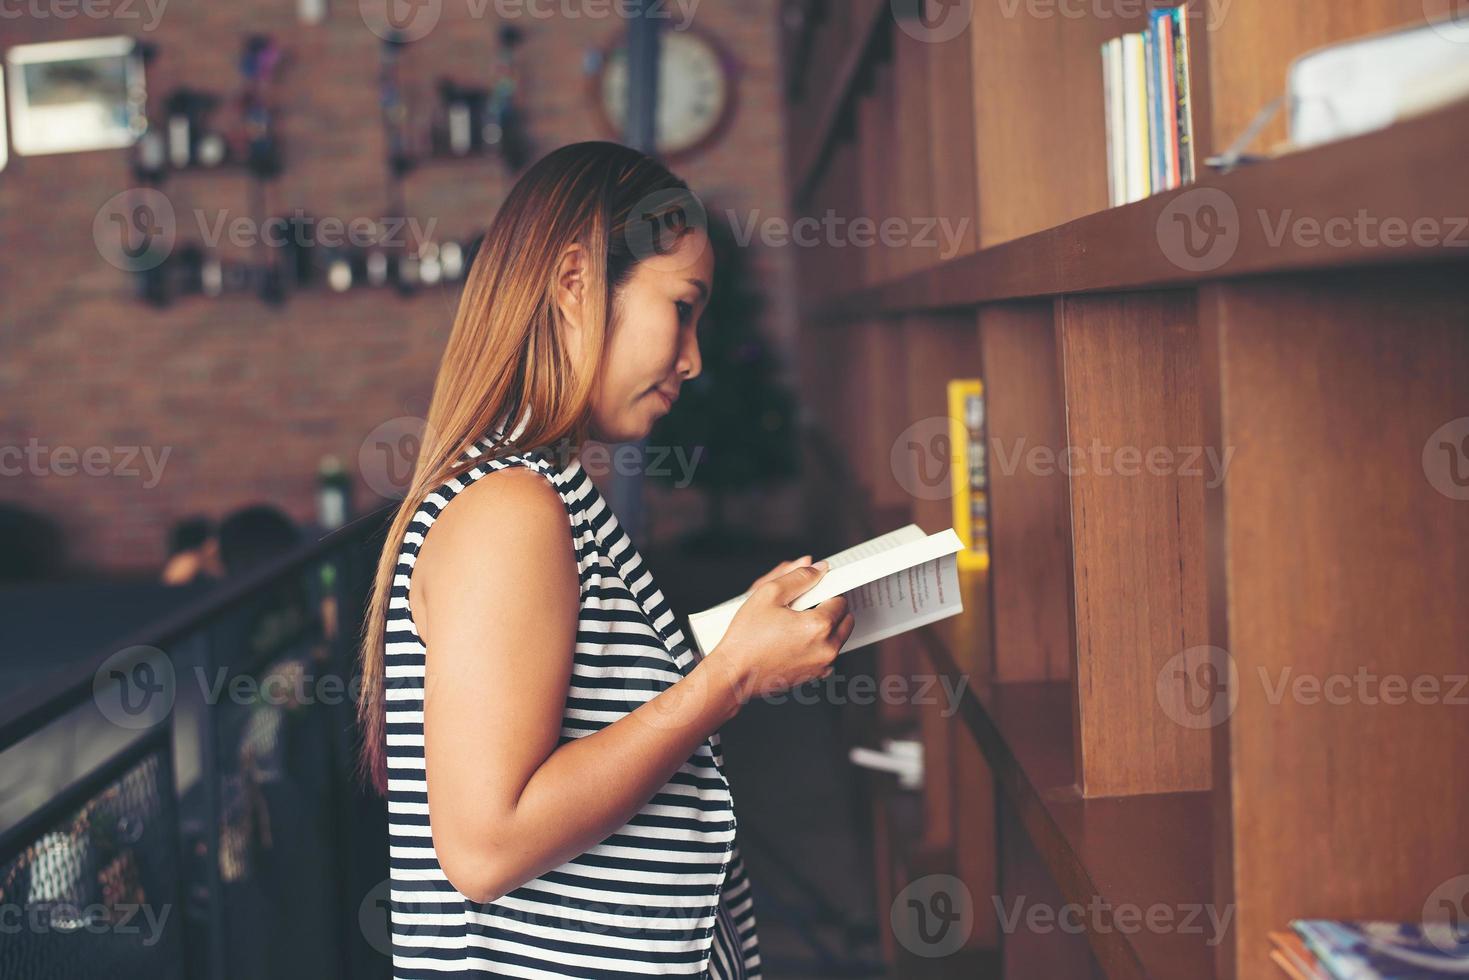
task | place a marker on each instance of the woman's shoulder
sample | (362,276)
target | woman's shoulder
(504,534)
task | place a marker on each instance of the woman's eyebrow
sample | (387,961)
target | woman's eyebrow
(703,287)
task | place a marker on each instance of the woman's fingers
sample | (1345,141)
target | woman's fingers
(780,570)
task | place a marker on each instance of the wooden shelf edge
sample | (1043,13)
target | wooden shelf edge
(1143,852)
(808,155)
(1406,172)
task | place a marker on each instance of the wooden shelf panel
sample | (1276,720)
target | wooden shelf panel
(1407,172)
(1143,851)
(808,144)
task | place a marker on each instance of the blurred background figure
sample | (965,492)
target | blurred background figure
(252,536)
(193,552)
(30,547)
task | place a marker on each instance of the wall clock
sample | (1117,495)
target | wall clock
(696,92)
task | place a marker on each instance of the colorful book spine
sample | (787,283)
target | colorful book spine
(1187,167)
(1136,136)
(969,472)
(1167,105)
(1115,196)
(1146,83)
(1156,178)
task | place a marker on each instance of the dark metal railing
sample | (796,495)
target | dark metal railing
(194,810)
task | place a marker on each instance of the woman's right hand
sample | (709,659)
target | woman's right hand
(771,647)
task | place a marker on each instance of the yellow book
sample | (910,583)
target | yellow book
(968,471)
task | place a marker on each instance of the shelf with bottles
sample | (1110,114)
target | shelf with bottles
(298,260)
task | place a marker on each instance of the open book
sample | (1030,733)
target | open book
(893,583)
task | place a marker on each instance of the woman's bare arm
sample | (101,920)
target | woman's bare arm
(496,600)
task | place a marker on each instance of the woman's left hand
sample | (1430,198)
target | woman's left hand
(779,570)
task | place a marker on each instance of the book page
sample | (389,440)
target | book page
(870,575)
(903,601)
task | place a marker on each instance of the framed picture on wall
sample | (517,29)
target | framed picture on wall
(68,96)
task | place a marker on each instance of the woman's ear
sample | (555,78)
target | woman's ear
(571,285)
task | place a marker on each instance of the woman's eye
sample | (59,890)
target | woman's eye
(685,310)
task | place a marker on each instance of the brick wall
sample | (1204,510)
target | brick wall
(243,398)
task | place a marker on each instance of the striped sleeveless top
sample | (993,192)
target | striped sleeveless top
(667,893)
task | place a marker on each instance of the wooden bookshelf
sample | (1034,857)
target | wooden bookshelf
(1095,759)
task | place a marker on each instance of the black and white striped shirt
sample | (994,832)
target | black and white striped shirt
(667,893)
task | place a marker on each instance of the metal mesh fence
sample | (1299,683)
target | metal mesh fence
(88,884)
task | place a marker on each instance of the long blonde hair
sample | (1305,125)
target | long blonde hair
(507,354)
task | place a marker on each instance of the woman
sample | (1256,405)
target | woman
(544,734)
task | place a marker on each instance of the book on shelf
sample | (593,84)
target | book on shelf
(1386,950)
(894,583)
(969,472)
(1292,956)
(1147,90)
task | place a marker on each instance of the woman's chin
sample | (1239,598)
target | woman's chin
(626,430)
